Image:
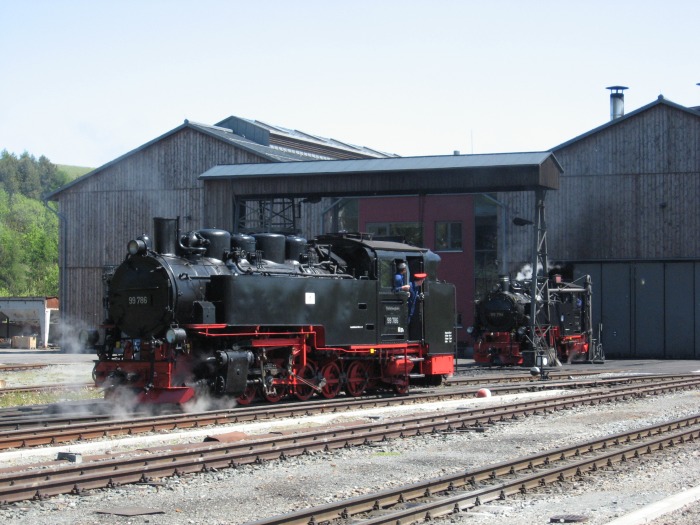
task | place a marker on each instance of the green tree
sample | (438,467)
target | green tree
(28,247)
(28,231)
(9,172)
(31,177)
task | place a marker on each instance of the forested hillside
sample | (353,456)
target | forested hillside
(28,230)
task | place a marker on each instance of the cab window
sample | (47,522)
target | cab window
(386,273)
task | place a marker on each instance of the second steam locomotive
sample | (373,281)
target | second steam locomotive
(214,314)
(564,325)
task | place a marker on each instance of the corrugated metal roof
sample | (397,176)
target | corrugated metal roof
(266,151)
(324,141)
(395,176)
(327,167)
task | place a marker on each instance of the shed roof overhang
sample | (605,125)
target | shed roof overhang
(393,176)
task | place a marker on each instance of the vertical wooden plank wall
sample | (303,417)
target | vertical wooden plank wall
(628,192)
(629,199)
(117,204)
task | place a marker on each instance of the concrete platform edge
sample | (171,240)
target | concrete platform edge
(655,510)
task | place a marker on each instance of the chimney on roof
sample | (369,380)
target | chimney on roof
(617,101)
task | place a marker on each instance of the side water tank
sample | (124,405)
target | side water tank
(243,242)
(219,242)
(271,245)
(295,247)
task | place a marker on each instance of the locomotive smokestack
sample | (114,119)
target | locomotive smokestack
(165,235)
(617,101)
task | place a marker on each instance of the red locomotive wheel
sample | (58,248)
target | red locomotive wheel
(274,395)
(248,396)
(304,391)
(357,379)
(331,376)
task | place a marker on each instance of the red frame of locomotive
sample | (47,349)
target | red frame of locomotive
(509,347)
(355,368)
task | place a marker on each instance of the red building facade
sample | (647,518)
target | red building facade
(462,229)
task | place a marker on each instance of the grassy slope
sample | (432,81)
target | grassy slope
(74,171)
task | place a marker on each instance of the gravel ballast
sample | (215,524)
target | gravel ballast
(234,496)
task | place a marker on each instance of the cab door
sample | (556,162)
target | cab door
(392,310)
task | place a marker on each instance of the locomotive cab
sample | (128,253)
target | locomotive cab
(433,313)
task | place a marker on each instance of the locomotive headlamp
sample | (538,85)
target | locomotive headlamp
(136,247)
(175,335)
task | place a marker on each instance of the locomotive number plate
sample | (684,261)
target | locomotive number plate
(139,300)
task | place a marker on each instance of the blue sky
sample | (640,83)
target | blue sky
(86,81)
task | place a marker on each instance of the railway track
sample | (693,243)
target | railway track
(42,413)
(23,431)
(18,367)
(461,492)
(45,388)
(461,378)
(38,429)
(33,431)
(29,482)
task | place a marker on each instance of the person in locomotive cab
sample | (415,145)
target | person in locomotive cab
(401,279)
(416,294)
(413,288)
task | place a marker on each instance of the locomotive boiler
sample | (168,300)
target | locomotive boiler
(502,326)
(214,314)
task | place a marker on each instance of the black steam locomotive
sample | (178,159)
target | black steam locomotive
(502,328)
(210,313)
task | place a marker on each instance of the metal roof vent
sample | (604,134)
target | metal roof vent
(617,101)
